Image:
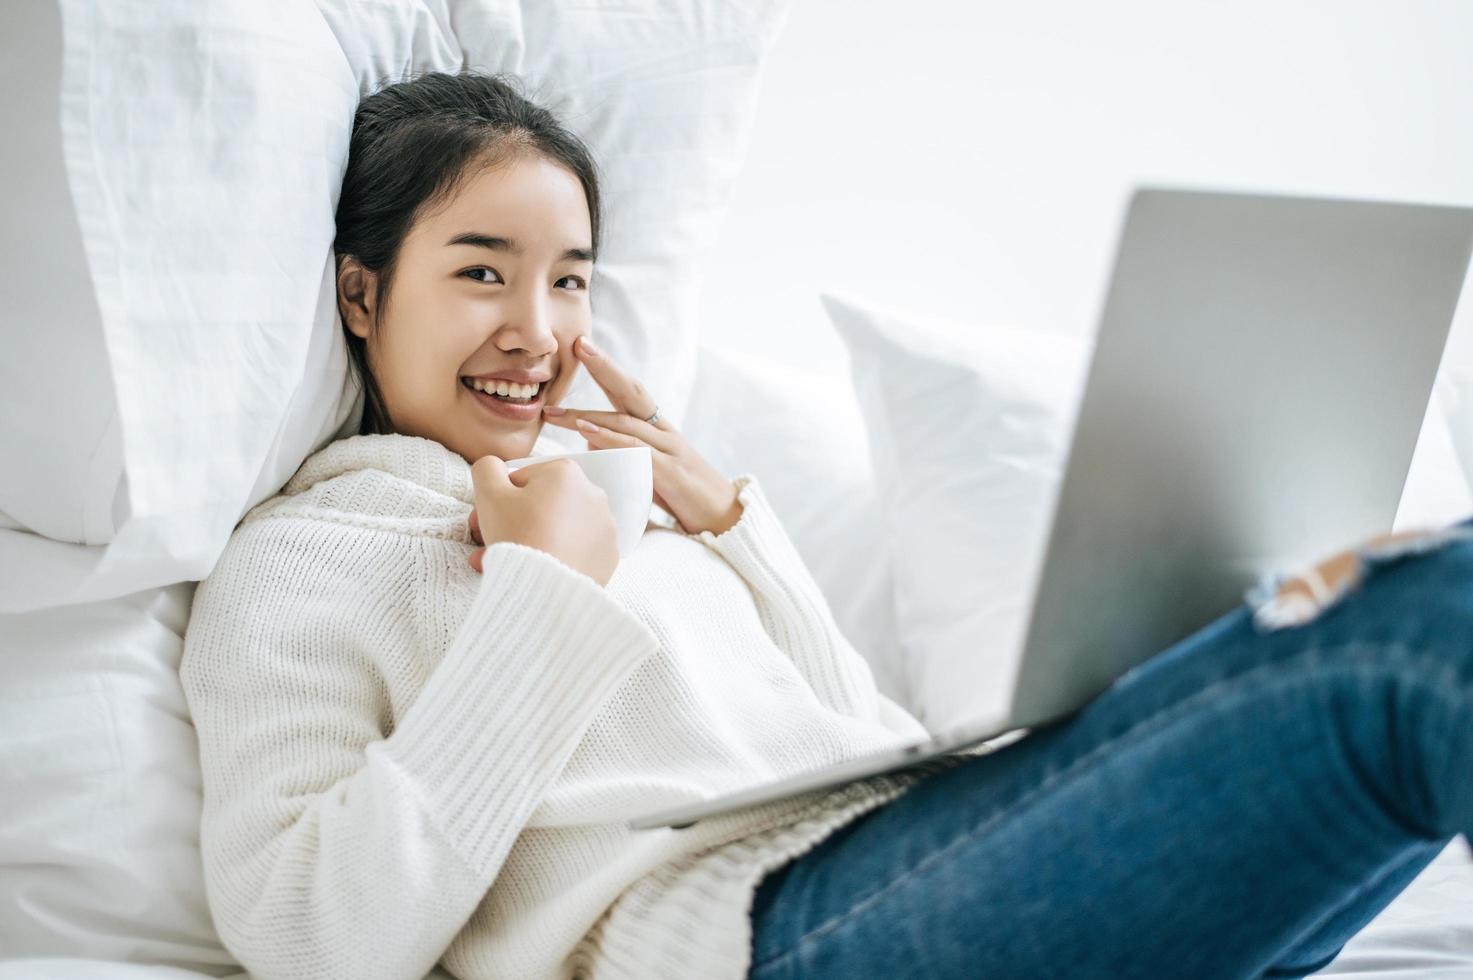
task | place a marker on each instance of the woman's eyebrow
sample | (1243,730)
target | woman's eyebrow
(507,245)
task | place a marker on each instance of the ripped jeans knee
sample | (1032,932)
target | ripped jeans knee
(1283,599)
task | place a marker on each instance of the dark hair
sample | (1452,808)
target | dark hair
(413,143)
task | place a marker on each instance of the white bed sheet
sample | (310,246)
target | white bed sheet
(1426,933)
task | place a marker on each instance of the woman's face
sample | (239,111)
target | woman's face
(482,287)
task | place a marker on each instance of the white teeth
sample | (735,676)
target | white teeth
(505,388)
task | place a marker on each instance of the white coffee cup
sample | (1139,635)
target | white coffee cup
(626,474)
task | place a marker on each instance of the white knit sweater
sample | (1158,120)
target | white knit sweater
(408,762)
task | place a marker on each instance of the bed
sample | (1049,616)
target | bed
(197,408)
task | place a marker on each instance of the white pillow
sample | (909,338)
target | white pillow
(1436,491)
(968,428)
(191,365)
(1454,387)
(204,146)
(803,435)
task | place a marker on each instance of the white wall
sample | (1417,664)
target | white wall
(970,159)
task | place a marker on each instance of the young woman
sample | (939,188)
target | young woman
(429,695)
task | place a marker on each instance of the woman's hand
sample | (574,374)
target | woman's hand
(693,491)
(550,506)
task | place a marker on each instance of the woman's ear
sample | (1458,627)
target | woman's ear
(356,286)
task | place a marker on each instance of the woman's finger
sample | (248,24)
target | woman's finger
(476,527)
(656,437)
(607,438)
(625,393)
(475,558)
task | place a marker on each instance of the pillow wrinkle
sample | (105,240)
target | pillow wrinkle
(188,171)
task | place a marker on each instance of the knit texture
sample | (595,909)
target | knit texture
(406,762)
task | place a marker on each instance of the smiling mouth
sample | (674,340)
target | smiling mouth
(507,399)
(524,412)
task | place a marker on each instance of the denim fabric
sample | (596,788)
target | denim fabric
(1239,805)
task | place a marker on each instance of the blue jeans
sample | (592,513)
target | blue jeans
(1240,805)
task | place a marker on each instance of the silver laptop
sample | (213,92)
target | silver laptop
(1259,378)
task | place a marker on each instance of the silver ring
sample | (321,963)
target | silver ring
(654,417)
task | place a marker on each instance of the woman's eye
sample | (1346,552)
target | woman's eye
(472,273)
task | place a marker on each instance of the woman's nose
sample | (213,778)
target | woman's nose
(530,321)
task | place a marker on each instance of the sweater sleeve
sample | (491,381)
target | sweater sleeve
(337,843)
(793,608)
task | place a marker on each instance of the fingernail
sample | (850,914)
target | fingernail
(586,346)
(587,425)
(553,409)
